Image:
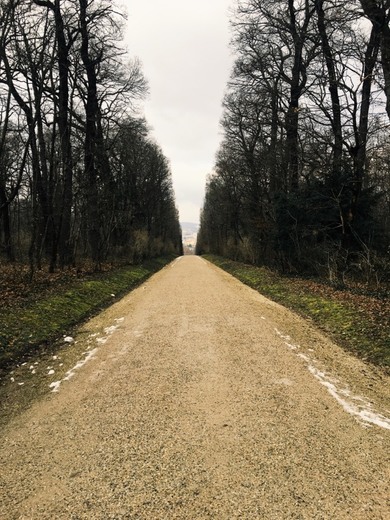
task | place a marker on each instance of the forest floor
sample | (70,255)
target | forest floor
(356,316)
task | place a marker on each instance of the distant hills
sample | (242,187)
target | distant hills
(189,232)
(189,227)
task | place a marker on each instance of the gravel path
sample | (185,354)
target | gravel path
(203,400)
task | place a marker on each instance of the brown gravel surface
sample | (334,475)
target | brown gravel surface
(203,400)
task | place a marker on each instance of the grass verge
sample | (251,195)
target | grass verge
(360,323)
(26,328)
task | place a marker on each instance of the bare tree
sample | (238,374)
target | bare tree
(300,120)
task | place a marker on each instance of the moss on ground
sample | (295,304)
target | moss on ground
(26,328)
(360,324)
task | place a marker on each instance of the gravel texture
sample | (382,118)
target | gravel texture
(204,401)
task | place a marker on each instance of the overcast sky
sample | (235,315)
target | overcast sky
(184,49)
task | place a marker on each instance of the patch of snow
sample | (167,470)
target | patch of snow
(282,335)
(110,330)
(118,320)
(363,411)
(12,380)
(101,340)
(33,371)
(304,357)
(113,295)
(79,364)
(20,384)
(55,386)
(291,346)
(32,367)
(68,339)
(51,372)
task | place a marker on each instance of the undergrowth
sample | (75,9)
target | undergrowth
(359,323)
(32,323)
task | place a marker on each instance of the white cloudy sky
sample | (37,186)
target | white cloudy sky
(184,49)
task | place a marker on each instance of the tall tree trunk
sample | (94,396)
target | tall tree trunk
(65,247)
(91,113)
(359,154)
(378,13)
(47,234)
(333,89)
(5,218)
(4,202)
(276,183)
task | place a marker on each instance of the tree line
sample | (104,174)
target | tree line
(80,175)
(302,176)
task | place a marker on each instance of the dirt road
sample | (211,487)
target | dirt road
(198,398)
